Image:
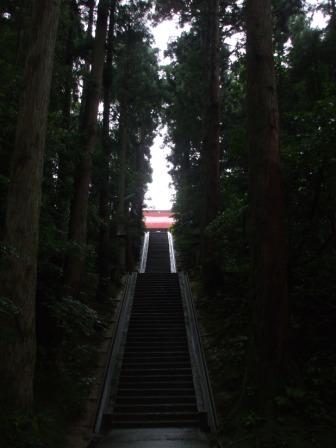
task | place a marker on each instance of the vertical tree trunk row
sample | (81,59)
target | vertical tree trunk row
(18,277)
(122,212)
(211,149)
(104,230)
(79,206)
(210,145)
(266,199)
(64,171)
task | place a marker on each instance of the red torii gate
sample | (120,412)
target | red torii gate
(158,219)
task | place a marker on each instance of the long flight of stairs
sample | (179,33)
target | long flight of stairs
(158,259)
(156,383)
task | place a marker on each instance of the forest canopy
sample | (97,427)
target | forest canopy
(247,94)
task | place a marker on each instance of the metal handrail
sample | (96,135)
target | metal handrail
(204,393)
(171,253)
(144,253)
(116,349)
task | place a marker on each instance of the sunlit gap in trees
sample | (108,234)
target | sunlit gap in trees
(317,20)
(160,193)
(316,16)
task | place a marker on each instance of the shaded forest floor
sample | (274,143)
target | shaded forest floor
(70,360)
(305,412)
(305,408)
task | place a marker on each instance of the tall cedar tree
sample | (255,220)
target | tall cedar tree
(79,206)
(104,230)
(64,164)
(18,270)
(210,145)
(266,200)
(210,150)
(122,213)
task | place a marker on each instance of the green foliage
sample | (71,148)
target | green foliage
(74,317)
(183,114)
(10,74)
(173,96)
(9,314)
(40,430)
(8,307)
(23,432)
(304,413)
(68,329)
(226,328)
(228,233)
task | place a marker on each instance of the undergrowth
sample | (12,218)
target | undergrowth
(69,340)
(303,410)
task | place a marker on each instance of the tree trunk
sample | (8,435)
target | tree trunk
(88,60)
(135,214)
(64,172)
(266,201)
(18,274)
(23,18)
(104,232)
(79,206)
(330,39)
(121,208)
(91,6)
(210,147)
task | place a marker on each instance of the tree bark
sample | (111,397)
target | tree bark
(266,200)
(19,266)
(135,227)
(79,206)
(88,60)
(104,205)
(91,6)
(210,146)
(121,207)
(64,172)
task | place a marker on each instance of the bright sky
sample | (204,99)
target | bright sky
(160,192)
